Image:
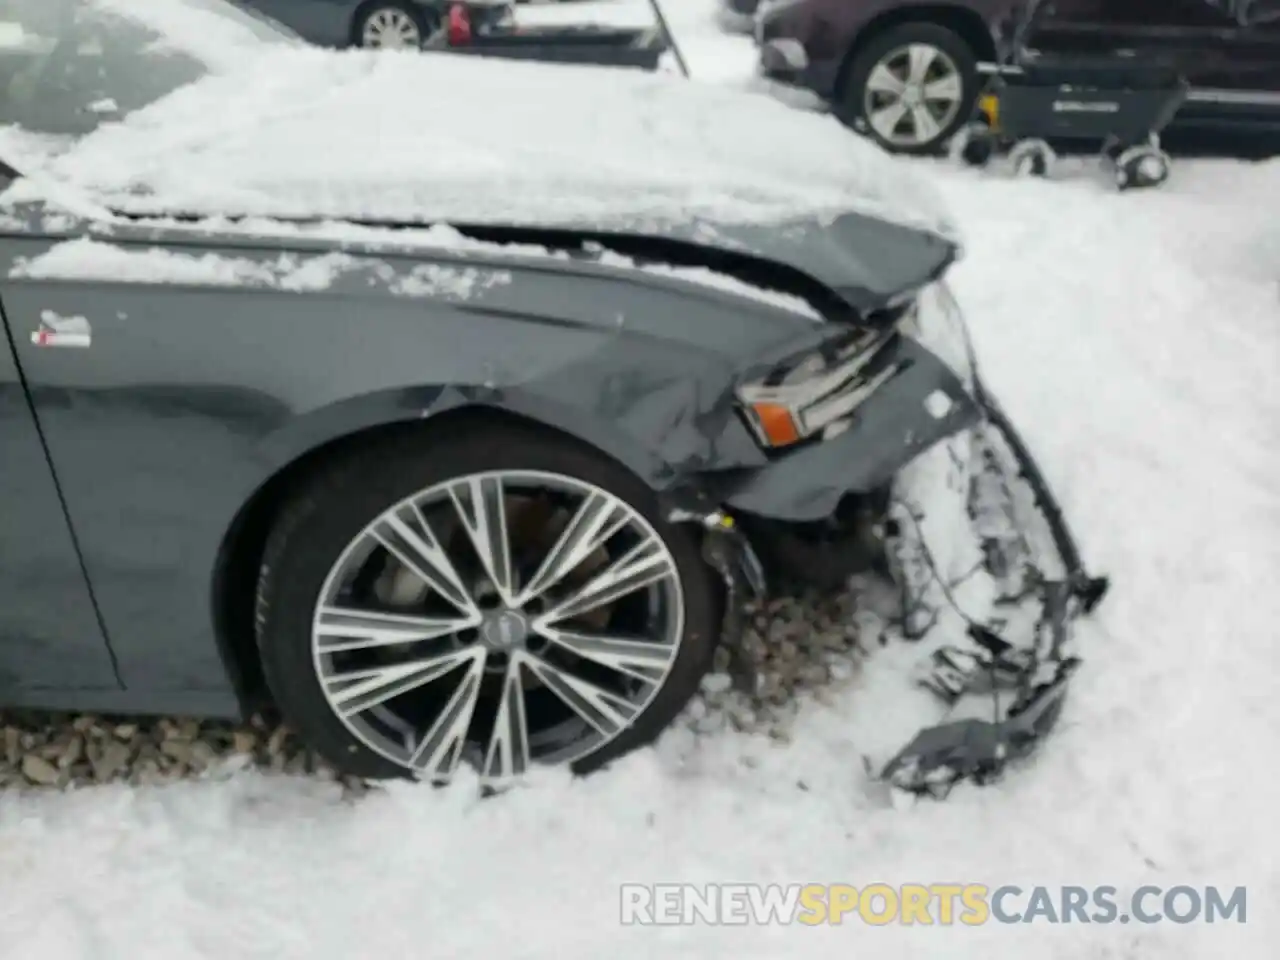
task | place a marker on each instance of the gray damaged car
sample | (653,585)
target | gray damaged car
(462,436)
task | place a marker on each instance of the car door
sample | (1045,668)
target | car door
(154,447)
(51,638)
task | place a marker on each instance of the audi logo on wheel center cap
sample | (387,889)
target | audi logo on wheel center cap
(504,630)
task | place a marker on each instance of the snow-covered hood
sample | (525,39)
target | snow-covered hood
(304,133)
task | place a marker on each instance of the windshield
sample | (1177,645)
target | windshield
(67,66)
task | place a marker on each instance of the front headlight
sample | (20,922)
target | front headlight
(818,392)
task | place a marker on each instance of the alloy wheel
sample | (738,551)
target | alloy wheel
(912,95)
(391,28)
(502,619)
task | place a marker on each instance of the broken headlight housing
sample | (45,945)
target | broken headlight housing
(937,324)
(817,394)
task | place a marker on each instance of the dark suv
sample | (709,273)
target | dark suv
(907,72)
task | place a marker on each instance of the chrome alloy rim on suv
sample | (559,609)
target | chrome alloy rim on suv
(912,95)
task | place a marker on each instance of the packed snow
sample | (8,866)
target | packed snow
(89,259)
(86,258)
(1134,339)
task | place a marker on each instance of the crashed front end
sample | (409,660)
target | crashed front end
(893,412)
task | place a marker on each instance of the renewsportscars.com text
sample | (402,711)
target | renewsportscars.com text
(965,904)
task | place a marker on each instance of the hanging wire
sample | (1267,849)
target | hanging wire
(670,37)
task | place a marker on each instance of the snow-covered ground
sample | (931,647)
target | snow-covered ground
(1135,340)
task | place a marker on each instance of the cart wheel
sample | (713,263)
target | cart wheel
(1143,166)
(1032,158)
(1031,165)
(974,145)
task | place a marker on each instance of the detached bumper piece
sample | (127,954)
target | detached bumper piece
(1035,687)
(1026,684)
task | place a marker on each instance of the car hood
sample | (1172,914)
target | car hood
(438,138)
(866,261)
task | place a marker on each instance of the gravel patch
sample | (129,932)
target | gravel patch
(57,750)
(796,645)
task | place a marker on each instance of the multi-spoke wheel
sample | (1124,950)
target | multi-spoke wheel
(394,26)
(502,600)
(910,88)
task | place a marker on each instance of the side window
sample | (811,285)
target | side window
(65,66)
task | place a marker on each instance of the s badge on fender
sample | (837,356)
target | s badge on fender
(57,331)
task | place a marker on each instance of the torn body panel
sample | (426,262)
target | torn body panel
(1003,676)
(990,577)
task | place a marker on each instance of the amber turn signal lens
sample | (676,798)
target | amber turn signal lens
(776,424)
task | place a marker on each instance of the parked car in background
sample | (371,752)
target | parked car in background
(908,72)
(480,27)
(378,24)
(588,43)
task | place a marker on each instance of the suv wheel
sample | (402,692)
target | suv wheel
(500,599)
(911,88)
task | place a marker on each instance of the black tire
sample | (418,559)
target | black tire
(330,511)
(851,100)
(980,146)
(427,21)
(1132,176)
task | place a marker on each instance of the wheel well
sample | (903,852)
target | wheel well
(965,23)
(239,558)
